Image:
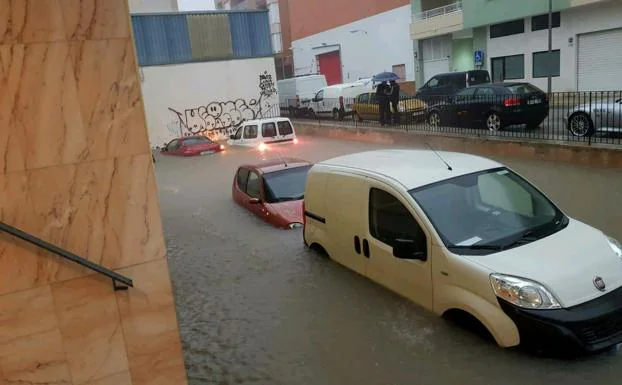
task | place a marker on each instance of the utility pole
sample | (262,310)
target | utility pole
(550,54)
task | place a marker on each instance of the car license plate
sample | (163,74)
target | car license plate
(207,152)
(534,101)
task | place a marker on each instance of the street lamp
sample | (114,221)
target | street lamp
(549,79)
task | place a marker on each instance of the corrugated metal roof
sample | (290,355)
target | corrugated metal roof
(210,37)
(173,38)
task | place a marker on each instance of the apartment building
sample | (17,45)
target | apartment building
(510,39)
(279,29)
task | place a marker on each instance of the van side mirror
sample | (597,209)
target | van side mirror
(408,249)
(232,136)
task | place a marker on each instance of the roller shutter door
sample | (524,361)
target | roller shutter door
(600,61)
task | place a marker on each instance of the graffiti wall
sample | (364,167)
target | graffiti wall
(210,99)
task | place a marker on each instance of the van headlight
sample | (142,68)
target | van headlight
(523,292)
(295,225)
(615,246)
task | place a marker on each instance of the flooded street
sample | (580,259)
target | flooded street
(256,307)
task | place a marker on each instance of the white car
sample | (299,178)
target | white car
(261,132)
(461,233)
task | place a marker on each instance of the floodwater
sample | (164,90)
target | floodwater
(256,307)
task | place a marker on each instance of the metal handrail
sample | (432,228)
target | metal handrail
(440,11)
(116,277)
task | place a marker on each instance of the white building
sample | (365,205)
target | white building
(153,6)
(359,49)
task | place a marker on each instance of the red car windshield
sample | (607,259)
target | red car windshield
(286,185)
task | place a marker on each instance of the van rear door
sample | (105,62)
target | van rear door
(346,209)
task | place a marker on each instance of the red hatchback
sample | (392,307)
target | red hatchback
(191,146)
(273,190)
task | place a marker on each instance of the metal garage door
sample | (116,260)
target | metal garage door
(330,67)
(600,61)
(435,53)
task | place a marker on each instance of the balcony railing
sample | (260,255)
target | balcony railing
(440,11)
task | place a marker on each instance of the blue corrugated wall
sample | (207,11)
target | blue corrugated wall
(165,38)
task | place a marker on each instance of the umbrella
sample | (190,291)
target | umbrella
(385,77)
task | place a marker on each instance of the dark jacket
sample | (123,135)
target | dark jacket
(382,93)
(395,92)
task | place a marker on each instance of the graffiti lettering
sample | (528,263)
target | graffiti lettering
(219,119)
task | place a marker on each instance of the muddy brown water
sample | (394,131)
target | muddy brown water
(256,307)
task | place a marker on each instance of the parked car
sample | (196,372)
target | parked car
(296,93)
(495,106)
(443,85)
(458,233)
(258,133)
(337,100)
(366,107)
(191,146)
(273,190)
(598,116)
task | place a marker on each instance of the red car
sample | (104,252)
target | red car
(191,146)
(273,190)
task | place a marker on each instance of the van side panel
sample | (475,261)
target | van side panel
(346,199)
(315,209)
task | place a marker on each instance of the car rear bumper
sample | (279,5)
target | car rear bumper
(589,327)
(524,115)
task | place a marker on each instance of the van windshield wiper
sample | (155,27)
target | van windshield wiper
(477,247)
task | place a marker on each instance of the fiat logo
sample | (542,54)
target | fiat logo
(599,283)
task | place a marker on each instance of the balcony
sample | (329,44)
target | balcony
(437,21)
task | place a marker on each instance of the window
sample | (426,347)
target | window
(268,130)
(285,128)
(252,185)
(173,145)
(465,94)
(241,178)
(286,185)
(238,133)
(541,22)
(372,99)
(364,98)
(508,67)
(490,207)
(485,91)
(250,132)
(478,77)
(434,82)
(506,29)
(545,64)
(319,96)
(390,220)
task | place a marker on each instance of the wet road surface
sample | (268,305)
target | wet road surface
(256,307)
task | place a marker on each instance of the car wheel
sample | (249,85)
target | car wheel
(311,113)
(493,122)
(580,125)
(434,119)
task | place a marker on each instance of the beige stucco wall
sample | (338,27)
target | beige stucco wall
(75,170)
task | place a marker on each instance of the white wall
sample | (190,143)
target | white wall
(210,98)
(386,43)
(148,6)
(575,21)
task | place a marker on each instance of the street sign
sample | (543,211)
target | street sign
(479,58)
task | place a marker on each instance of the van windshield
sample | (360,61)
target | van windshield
(287,184)
(488,211)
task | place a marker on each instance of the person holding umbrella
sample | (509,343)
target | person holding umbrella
(384,95)
(395,99)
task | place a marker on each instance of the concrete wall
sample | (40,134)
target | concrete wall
(148,6)
(386,43)
(311,17)
(210,98)
(601,16)
(76,171)
(462,55)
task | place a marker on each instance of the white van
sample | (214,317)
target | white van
(462,234)
(337,100)
(263,131)
(296,93)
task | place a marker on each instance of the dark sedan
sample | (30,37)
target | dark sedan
(493,106)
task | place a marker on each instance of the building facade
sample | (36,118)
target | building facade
(511,41)
(351,39)
(204,72)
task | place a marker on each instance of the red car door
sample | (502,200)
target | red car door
(254,191)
